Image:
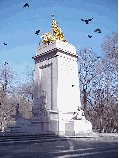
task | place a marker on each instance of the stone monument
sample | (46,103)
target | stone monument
(56,90)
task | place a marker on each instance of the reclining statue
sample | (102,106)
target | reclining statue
(78,115)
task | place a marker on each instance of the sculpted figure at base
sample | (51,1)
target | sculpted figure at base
(34,112)
(17,110)
(44,102)
(41,109)
(78,115)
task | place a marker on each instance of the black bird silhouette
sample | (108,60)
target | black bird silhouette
(87,20)
(89,36)
(37,32)
(4,44)
(26,5)
(98,57)
(5,63)
(98,30)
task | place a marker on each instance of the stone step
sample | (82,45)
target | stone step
(12,140)
(19,136)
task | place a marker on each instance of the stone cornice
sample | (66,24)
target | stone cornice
(56,44)
(55,47)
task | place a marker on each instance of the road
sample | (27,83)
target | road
(104,146)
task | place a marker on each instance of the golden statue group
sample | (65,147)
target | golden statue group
(57,34)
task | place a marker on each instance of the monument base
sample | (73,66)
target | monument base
(59,123)
(30,126)
(75,127)
(71,126)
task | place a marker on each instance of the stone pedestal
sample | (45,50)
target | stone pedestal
(70,127)
(42,122)
(21,126)
(56,73)
(29,126)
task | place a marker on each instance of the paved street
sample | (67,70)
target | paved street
(105,146)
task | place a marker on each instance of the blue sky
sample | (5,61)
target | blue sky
(18,26)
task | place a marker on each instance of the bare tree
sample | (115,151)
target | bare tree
(13,91)
(28,86)
(98,85)
(8,79)
(87,62)
(25,92)
(104,96)
(110,69)
(110,49)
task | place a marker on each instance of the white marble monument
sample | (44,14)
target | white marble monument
(57,107)
(56,75)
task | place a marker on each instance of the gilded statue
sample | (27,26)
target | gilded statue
(57,34)
(47,38)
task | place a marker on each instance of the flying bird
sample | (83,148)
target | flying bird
(4,44)
(89,36)
(98,30)
(26,5)
(37,32)
(5,63)
(87,20)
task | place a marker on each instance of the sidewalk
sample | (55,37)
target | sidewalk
(109,134)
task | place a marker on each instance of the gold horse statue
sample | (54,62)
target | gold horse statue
(47,38)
